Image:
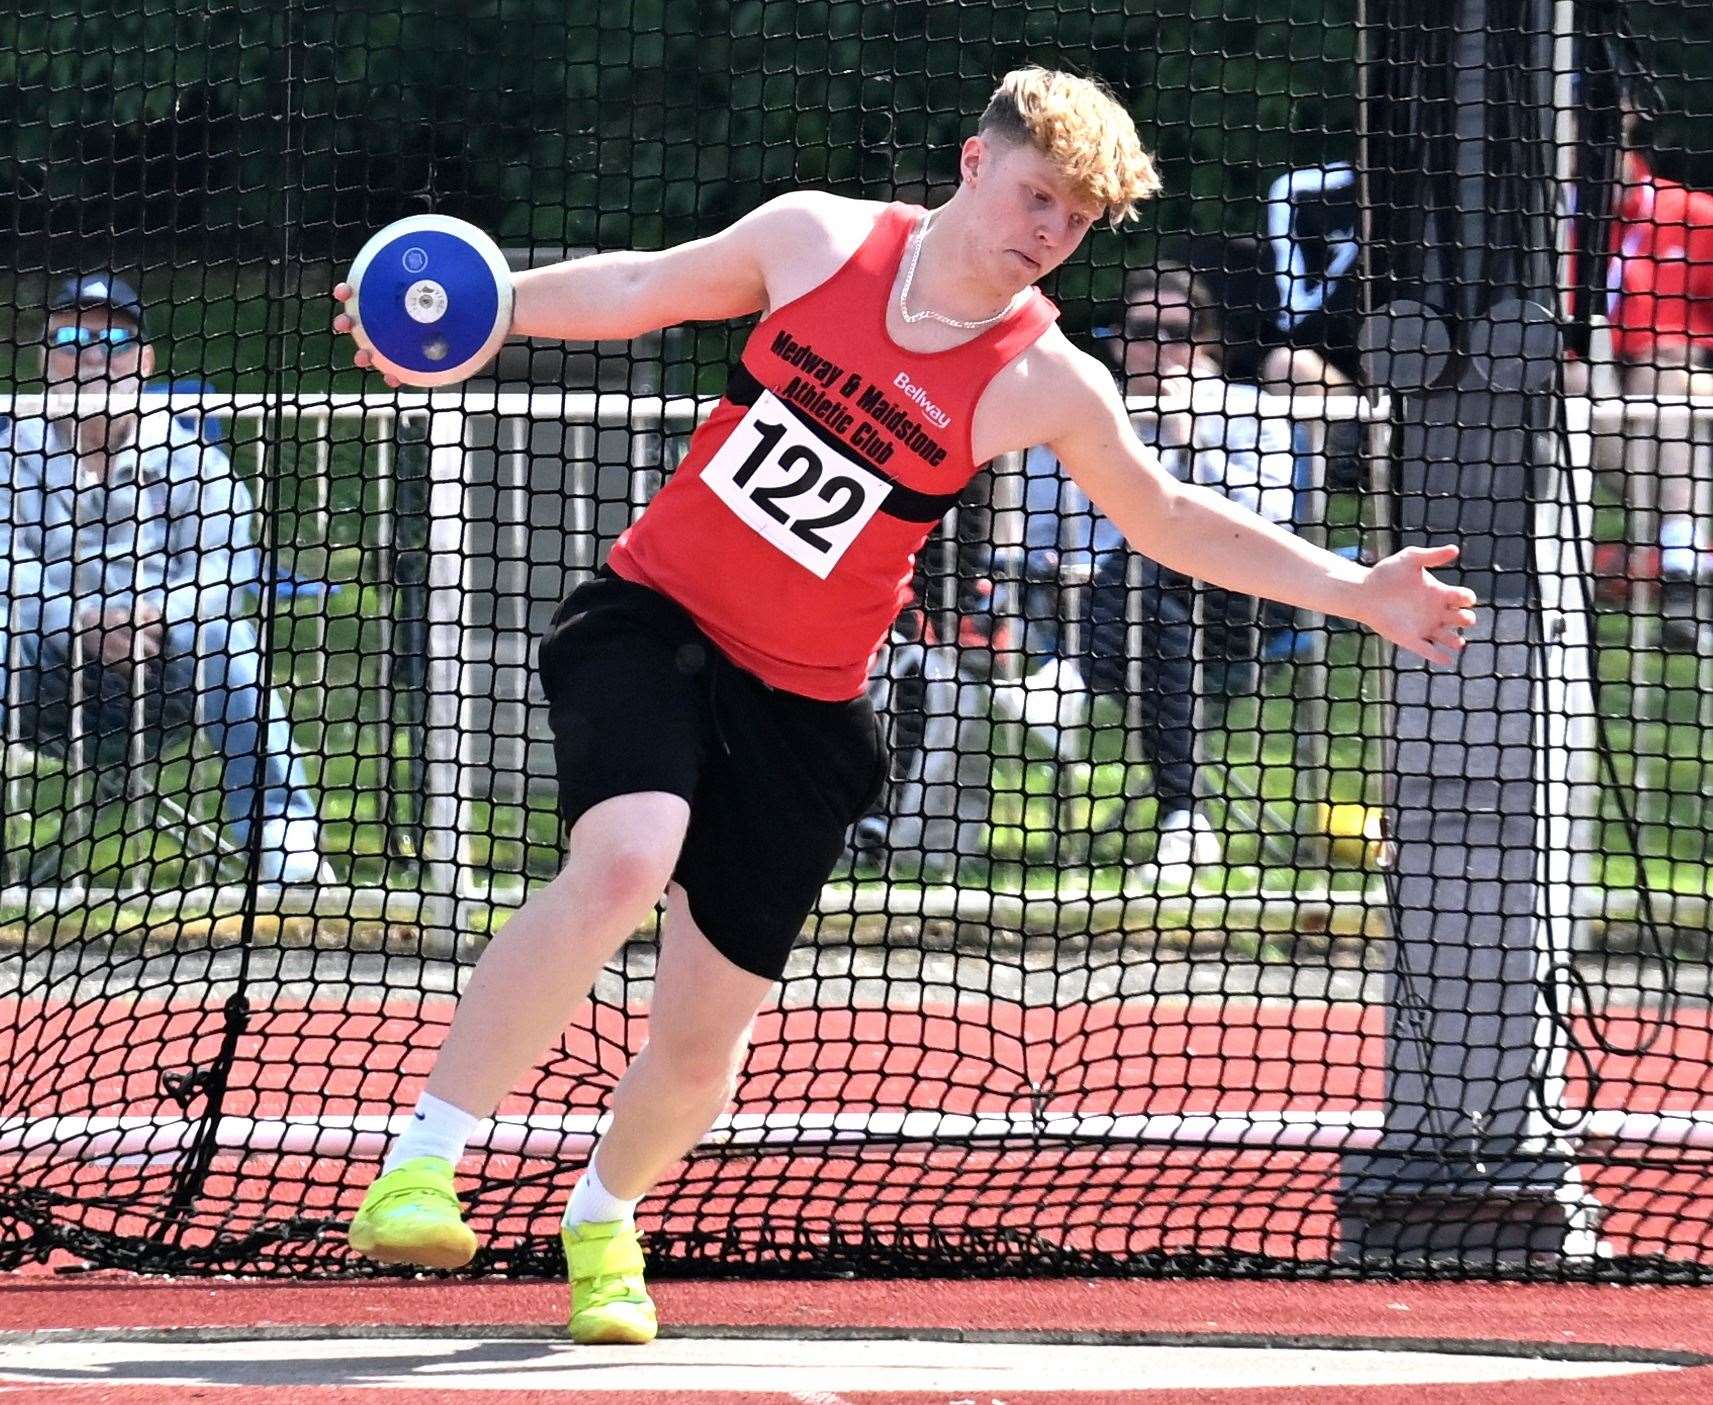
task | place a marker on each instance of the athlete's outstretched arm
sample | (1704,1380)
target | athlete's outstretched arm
(619,295)
(1198,532)
(623,294)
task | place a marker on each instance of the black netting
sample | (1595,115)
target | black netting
(1190,934)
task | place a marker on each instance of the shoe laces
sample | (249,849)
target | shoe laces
(418,1192)
(608,1289)
(604,1289)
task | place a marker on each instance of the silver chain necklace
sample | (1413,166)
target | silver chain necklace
(928,314)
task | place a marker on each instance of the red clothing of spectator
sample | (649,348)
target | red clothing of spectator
(1663,271)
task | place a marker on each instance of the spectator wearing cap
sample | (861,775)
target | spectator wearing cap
(126,543)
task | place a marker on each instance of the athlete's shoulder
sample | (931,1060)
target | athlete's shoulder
(1058,371)
(1049,390)
(800,239)
(802,212)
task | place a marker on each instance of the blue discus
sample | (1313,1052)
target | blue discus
(432,299)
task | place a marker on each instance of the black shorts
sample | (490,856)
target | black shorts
(640,699)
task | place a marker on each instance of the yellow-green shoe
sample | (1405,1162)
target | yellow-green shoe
(609,1301)
(411,1215)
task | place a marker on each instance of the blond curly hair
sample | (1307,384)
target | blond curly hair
(1079,125)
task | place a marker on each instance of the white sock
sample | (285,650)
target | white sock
(437,1128)
(592,1203)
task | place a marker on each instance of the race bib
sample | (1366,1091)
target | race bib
(807,498)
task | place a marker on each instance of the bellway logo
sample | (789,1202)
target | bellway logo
(919,397)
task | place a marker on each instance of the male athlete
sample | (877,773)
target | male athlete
(707,687)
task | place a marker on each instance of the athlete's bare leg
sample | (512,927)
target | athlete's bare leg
(542,964)
(698,1033)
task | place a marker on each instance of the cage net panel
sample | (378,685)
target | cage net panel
(1165,950)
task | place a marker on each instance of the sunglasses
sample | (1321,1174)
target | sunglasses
(91,336)
(1140,325)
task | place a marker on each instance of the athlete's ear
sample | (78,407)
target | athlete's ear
(973,159)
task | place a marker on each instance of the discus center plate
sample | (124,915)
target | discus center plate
(425,301)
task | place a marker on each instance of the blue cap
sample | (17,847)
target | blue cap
(98,290)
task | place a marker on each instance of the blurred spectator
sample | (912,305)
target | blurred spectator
(127,544)
(1312,255)
(930,688)
(1298,287)
(1661,279)
(1210,430)
(1662,276)
(1288,320)
(1235,319)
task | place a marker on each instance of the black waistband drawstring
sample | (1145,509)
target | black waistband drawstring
(716,666)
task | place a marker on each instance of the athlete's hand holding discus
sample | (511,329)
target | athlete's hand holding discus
(345,325)
(429,299)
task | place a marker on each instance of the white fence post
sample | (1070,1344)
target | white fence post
(444,822)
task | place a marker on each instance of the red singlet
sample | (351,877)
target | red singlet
(790,531)
(1663,271)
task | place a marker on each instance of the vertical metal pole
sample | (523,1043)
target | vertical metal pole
(137,758)
(1472,1167)
(1312,711)
(16,872)
(1566,515)
(377,558)
(79,794)
(1379,538)
(408,646)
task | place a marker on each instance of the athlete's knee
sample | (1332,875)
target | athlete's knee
(705,1060)
(628,874)
(622,852)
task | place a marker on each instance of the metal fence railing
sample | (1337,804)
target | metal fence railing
(419,543)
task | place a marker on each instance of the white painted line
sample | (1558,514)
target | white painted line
(815,1372)
(148,1138)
